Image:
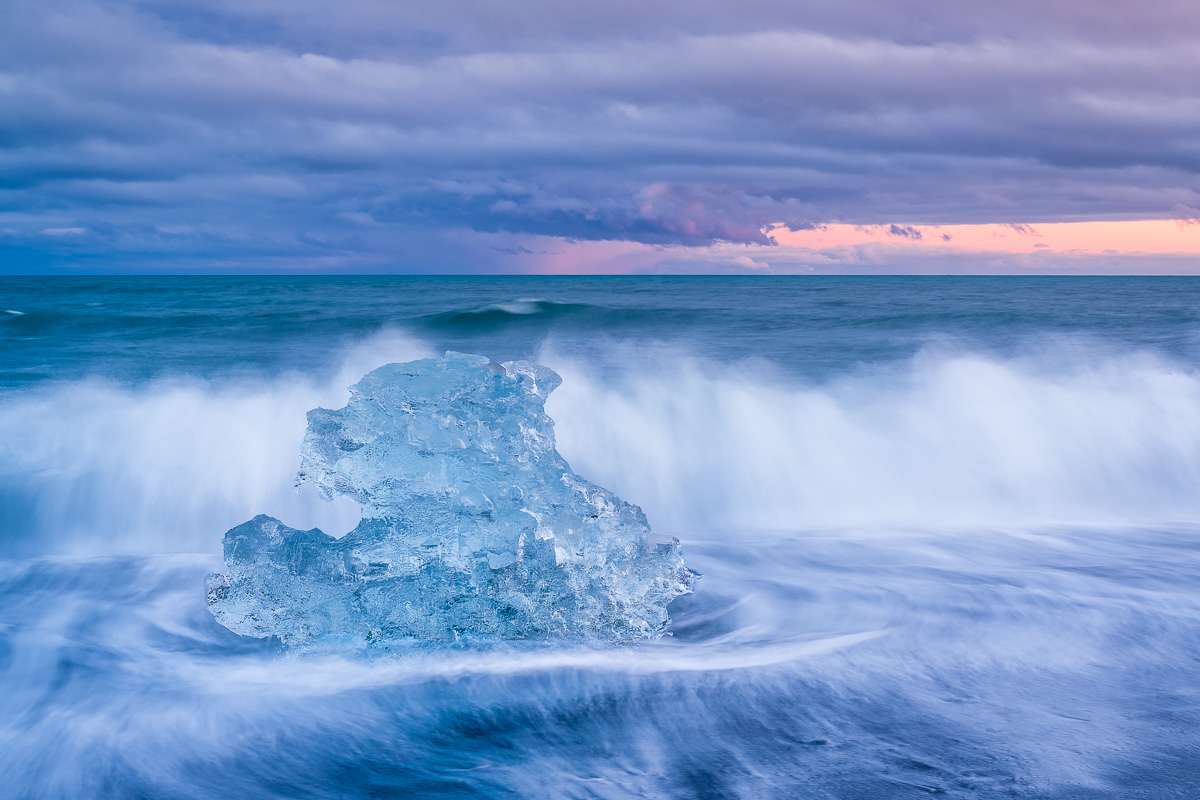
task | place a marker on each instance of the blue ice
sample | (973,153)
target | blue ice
(473,526)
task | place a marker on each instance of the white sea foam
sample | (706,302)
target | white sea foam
(94,467)
(946,439)
(523,307)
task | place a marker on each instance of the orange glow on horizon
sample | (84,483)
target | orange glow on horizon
(1153,237)
(836,248)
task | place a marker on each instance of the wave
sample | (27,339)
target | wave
(499,313)
(1071,434)
(100,467)
(589,318)
(1078,435)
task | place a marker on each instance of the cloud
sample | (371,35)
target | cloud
(749,263)
(374,135)
(1186,216)
(904,232)
(356,217)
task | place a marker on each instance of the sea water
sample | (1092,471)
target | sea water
(949,530)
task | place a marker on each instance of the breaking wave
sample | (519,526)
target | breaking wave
(947,438)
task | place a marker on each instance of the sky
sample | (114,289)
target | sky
(622,136)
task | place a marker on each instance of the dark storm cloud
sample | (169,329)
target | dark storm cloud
(377,135)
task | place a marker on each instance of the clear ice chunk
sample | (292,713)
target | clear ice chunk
(473,526)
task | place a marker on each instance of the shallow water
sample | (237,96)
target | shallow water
(949,534)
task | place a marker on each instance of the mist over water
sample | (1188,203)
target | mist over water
(948,533)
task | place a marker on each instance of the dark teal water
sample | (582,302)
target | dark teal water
(948,528)
(132,329)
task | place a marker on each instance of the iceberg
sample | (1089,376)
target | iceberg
(473,527)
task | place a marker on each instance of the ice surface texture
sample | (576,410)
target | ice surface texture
(473,526)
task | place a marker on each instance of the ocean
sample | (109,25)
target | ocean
(949,533)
